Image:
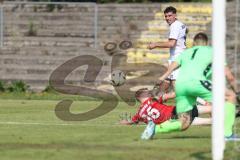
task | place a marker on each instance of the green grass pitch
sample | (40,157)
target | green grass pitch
(30,130)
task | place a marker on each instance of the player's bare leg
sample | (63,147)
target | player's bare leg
(203,110)
(198,121)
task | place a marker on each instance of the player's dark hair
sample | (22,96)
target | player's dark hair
(170,9)
(201,37)
(142,92)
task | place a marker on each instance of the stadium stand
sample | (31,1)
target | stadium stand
(39,38)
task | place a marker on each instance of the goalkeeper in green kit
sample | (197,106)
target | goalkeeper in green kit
(194,68)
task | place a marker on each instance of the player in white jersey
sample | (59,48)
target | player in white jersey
(176,39)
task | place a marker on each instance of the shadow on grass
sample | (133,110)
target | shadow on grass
(186,137)
(232,151)
(201,155)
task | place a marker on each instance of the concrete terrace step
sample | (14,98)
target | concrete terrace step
(47,56)
(145,50)
(37,43)
(50,40)
(79,18)
(36,59)
(48,23)
(50,51)
(64,32)
(37,7)
(34,74)
(37,14)
(182,8)
(88,11)
(32,60)
(28,60)
(39,67)
(43,41)
(39,78)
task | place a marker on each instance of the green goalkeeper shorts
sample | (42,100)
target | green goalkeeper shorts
(188,91)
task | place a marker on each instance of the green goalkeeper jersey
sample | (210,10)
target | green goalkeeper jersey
(195,63)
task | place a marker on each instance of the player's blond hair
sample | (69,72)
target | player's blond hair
(143,92)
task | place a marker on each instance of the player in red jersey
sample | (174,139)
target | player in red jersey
(153,109)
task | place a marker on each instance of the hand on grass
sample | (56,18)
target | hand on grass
(125,122)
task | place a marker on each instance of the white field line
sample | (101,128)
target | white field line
(57,124)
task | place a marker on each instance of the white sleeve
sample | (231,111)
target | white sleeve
(174,31)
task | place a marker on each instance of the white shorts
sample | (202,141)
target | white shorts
(174,74)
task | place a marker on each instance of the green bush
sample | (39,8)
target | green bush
(2,86)
(18,86)
(50,7)
(59,7)
(49,89)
